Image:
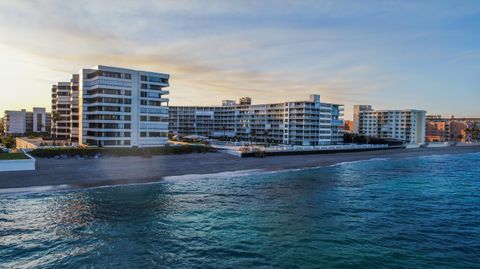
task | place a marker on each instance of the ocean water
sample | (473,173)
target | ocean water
(400,213)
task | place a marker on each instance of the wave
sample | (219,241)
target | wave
(226,174)
(34,189)
(360,161)
(238,173)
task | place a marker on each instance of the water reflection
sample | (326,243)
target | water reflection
(395,209)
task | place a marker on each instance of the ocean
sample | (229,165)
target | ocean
(421,212)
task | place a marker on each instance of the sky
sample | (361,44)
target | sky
(391,54)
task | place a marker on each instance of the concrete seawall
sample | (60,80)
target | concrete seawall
(18,165)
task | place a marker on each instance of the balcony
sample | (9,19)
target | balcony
(337,122)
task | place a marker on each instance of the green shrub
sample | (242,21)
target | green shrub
(8,141)
(13,156)
(119,152)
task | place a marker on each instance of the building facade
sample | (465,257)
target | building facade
(61,110)
(348,126)
(405,125)
(40,120)
(15,122)
(122,107)
(439,129)
(74,111)
(291,123)
(24,122)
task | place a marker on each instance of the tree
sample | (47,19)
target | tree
(55,119)
(1,126)
(266,137)
(224,129)
(253,134)
(9,142)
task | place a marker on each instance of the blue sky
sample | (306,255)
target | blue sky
(391,54)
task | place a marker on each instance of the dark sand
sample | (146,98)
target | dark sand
(124,170)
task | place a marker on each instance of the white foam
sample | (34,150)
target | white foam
(215,175)
(33,189)
(226,174)
(360,161)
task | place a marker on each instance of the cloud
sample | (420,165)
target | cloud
(347,51)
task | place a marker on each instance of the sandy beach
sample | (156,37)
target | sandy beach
(124,170)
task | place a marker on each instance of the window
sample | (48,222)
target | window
(143,78)
(127,76)
(157,134)
(157,80)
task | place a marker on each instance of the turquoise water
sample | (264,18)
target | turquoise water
(403,213)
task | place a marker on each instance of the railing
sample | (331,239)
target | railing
(248,147)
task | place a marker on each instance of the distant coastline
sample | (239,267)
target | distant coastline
(73,173)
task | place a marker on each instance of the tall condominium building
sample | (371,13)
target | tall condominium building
(122,107)
(74,109)
(406,125)
(61,110)
(23,122)
(294,123)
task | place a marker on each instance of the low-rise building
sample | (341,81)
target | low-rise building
(291,123)
(348,126)
(439,129)
(23,122)
(406,125)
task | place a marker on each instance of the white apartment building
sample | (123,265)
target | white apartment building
(61,108)
(23,122)
(291,123)
(15,122)
(122,107)
(40,120)
(406,125)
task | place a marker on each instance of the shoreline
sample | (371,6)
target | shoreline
(65,174)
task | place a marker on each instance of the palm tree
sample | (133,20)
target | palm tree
(55,118)
(1,126)
(253,134)
(224,129)
(367,139)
